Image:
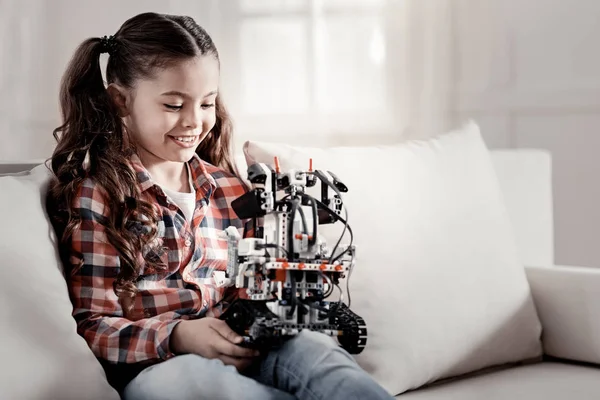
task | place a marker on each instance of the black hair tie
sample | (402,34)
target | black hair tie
(108,44)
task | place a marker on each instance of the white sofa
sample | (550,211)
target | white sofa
(471,334)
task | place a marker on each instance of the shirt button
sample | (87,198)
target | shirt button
(188,242)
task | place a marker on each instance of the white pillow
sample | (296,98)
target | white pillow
(44,356)
(437,278)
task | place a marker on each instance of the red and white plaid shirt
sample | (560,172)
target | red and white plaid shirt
(185,290)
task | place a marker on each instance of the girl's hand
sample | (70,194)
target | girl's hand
(211,338)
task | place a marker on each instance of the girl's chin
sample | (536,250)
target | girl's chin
(182,156)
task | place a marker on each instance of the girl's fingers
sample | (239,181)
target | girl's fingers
(239,363)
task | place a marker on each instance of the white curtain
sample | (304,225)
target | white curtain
(317,72)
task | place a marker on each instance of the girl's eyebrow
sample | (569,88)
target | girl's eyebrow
(174,93)
(185,95)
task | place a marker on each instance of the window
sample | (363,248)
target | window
(321,62)
(302,67)
(274,74)
(350,53)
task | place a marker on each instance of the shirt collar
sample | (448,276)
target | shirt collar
(202,180)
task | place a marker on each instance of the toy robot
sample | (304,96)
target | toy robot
(286,268)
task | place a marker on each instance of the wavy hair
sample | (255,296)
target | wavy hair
(92,142)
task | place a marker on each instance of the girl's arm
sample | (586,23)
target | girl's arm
(97,311)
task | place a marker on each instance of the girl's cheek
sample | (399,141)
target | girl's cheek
(166,122)
(210,123)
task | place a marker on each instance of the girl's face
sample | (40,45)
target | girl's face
(168,115)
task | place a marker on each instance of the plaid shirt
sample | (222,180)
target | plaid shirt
(185,290)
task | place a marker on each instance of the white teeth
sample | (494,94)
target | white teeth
(186,139)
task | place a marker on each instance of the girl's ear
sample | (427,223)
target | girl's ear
(119,97)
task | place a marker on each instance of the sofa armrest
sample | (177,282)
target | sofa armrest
(568,304)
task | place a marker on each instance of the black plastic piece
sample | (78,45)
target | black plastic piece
(250,319)
(262,329)
(339,185)
(249,204)
(354,328)
(256,174)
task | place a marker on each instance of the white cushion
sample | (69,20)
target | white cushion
(44,357)
(525,177)
(543,381)
(438,278)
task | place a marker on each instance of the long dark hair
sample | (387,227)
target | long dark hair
(92,142)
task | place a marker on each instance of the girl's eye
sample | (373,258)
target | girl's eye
(173,106)
(205,106)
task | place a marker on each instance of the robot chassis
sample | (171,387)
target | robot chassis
(286,268)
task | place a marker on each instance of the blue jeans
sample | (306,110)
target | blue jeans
(309,366)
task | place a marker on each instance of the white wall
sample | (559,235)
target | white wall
(527,70)
(529,73)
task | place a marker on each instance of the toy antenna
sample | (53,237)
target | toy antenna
(276,164)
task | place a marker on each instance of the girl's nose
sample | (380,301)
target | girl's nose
(192,119)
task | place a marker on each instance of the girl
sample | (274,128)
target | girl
(143,185)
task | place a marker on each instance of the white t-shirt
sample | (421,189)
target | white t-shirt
(185,201)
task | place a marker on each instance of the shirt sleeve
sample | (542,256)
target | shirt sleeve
(96,309)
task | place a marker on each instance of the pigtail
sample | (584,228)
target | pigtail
(85,108)
(72,150)
(91,143)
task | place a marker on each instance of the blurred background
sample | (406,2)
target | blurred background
(357,72)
